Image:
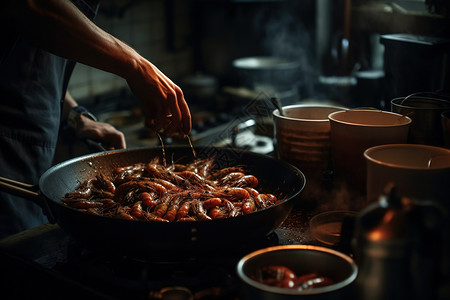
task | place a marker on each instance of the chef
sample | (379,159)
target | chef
(41,41)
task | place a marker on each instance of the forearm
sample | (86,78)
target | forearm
(59,27)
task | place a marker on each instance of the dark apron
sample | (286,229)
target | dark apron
(33,83)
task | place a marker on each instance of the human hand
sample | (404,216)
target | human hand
(104,133)
(162,101)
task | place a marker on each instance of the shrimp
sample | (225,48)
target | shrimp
(172,210)
(152,186)
(199,211)
(187,219)
(246,181)
(122,190)
(105,183)
(157,170)
(131,195)
(165,183)
(215,213)
(265,200)
(136,168)
(183,211)
(162,206)
(136,209)
(232,193)
(86,204)
(248,206)
(148,200)
(101,193)
(126,192)
(252,191)
(232,210)
(201,166)
(133,171)
(195,179)
(156,192)
(125,216)
(84,191)
(107,203)
(230,178)
(219,212)
(224,171)
(177,167)
(151,217)
(123,212)
(212,202)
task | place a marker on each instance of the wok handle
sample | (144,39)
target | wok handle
(94,146)
(18,188)
(28,191)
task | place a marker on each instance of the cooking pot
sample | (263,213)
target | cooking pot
(162,238)
(301,260)
(425,112)
(267,70)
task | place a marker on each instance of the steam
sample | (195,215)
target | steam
(285,36)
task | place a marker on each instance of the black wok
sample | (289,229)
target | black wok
(275,177)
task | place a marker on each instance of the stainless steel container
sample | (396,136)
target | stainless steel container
(401,246)
(425,112)
(301,259)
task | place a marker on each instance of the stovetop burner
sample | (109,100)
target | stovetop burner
(130,275)
(47,262)
(141,272)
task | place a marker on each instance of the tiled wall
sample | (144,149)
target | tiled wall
(143,26)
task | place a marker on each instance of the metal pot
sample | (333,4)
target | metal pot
(267,70)
(400,249)
(302,260)
(167,238)
(425,112)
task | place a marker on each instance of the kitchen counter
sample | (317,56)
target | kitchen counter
(38,262)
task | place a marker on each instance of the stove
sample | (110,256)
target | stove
(45,262)
(48,263)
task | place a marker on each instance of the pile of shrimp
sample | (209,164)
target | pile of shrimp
(196,191)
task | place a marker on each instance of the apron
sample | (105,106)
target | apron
(33,84)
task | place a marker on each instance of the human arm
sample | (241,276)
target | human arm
(59,27)
(86,128)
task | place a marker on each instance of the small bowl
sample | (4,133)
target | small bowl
(326,227)
(302,260)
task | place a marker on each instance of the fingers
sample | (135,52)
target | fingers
(175,117)
(163,103)
(186,119)
(104,133)
(116,140)
(178,114)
